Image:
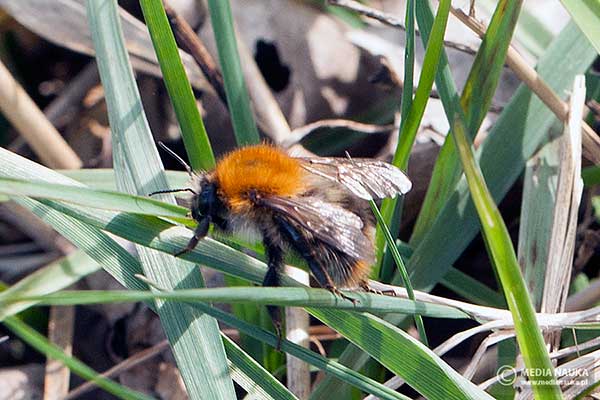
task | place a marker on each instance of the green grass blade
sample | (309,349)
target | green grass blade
(393,209)
(178,86)
(104,179)
(489,63)
(409,63)
(354,358)
(444,82)
(435,45)
(115,201)
(472,290)
(53,277)
(193,132)
(128,227)
(334,368)
(250,375)
(113,258)
(411,119)
(123,267)
(151,231)
(448,381)
(41,344)
(531,33)
(237,95)
(475,101)
(586,14)
(243,268)
(517,134)
(290,296)
(162,235)
(452,386)
(194,337)
(515,137)
(391,245)
(502,254)
(103,249)
(236,265)
(450,100)
(417,365)
(464,285)
(100,247)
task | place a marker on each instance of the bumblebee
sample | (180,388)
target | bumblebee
(316,207)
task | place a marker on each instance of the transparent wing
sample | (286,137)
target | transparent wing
(327,222)
(366,178)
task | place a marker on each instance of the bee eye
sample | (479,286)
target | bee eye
(206,199)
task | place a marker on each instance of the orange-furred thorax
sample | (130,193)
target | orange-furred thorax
(261,168)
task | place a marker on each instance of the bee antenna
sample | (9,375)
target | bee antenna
(179,159)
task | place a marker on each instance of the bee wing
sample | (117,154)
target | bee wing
(328,222)
(366,178)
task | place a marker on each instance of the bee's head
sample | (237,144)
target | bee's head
(206,203)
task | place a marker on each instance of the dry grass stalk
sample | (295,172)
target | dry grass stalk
(585,298)
(55,152)
(296,328)
(272,121)
(64,23)
(124,365)
(190,42)
(495,318)
(60,110)
(392,21)
(269,114)
(591,141)
(60,333)
(33,125)
(567,351)
(528,75)
(568,197)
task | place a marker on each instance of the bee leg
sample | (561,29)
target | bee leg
(272,279)
(199,233)
(310,255)
(364,285)
(275,261)
(339,293)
